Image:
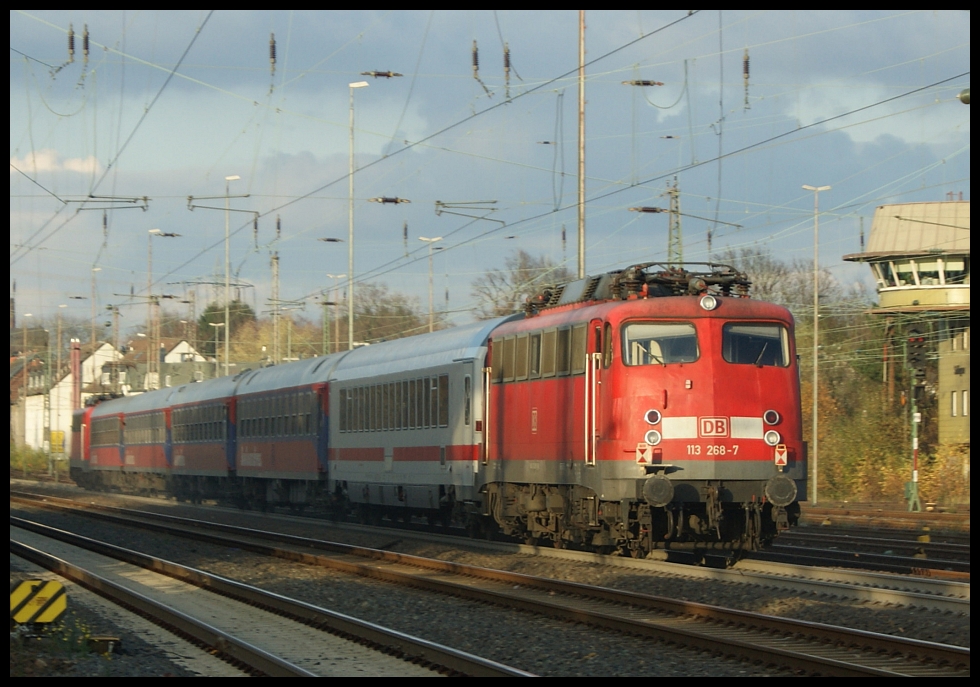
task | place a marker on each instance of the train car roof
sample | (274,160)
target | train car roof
(290,375)
(202,392)
(419,352)
(137,403)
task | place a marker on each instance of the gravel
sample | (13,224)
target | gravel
(523,640)
(61,648)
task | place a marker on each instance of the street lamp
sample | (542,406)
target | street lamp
(228,181)
(216,330)
(816,322)
(430,242)
(350,222)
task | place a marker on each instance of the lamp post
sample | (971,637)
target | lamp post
(430,242)
(228,180)
(57,378)
(350,221)
(24,389)
(216,325)
(336,287)
(94,270)
(153,309)
(816,323)
(328,239)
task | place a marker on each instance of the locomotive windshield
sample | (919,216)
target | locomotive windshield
(756,344)
(659,343)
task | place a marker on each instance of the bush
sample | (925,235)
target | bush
(26,459)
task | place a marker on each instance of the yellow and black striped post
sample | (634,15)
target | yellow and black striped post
(37,601)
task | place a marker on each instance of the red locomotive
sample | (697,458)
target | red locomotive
(634,410)
(641,410)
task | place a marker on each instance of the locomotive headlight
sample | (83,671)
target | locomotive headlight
(652,417)
(709,302)
(771,417)
(652,437)
(772,437)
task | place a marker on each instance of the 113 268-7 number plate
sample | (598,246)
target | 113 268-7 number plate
(712,450)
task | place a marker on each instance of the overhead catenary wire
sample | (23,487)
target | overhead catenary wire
(560,208)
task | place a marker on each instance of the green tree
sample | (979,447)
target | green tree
(239,313)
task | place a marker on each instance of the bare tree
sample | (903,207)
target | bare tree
(503,292)
(768,274)
(380,314)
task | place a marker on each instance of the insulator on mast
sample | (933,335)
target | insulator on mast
(255,231)
(85,44)
(476,68)
(507,70)
(745,76)
(405,236)
(71,43)
(272,52)
(278,227)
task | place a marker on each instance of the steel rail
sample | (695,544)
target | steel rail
(513,589)
(412,648)
(941,594)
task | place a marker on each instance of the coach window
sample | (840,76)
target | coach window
(399,406)
(389,406)
(578,349)
(755,344)
(507,360)
(607,349)
(548,353)
(659,343)
(432,402)
(520,358)
(467,392)
(421,399)
(410,404)
(562,352)
(534,356)
(443,400)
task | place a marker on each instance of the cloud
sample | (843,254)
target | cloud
(47,160)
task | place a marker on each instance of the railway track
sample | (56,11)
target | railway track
(884,543)
(796,645)
(951,596)
(885,517)
(266,633)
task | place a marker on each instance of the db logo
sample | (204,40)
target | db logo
(713,426)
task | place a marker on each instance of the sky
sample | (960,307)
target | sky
(168,104)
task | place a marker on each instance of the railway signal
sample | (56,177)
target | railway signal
(915,357)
